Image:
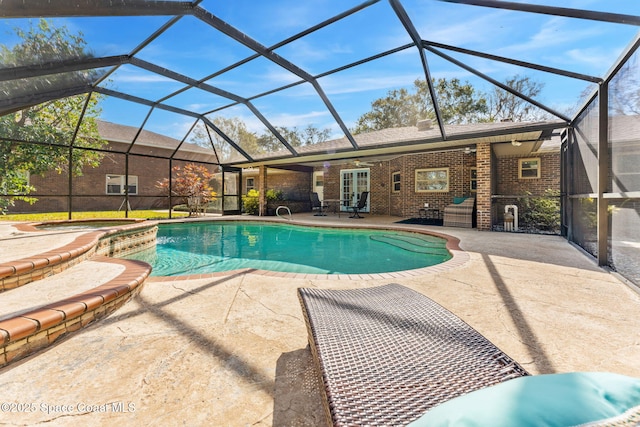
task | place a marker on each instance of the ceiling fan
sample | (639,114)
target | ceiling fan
(359,163)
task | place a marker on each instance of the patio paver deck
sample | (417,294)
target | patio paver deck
(230,350)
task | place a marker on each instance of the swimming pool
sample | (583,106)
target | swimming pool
(208,247)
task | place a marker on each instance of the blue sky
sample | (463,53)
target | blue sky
(197,50)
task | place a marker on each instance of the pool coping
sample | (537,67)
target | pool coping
(458,256)
(34,329)
(40,327)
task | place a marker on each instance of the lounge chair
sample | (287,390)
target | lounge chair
(459,214)
(362,202)
(388,354)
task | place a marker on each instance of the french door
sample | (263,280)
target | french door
(353,183)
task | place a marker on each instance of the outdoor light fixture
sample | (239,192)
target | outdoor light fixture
(516,143)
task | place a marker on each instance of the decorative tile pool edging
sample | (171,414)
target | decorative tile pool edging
(36,329)
(117,241)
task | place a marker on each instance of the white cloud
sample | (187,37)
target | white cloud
(592,57)
(299,120)
(303,52)
(334,85)
(464,30)
(554,33)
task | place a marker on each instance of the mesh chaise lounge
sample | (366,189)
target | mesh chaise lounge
(388,354)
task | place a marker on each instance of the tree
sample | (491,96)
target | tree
(504,105)
(294,136)
(458,103)
(232,127)
(191,185)
(399,108)
(49,128)
(624,90)
(251,142)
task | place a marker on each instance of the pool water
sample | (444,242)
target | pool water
(207,247)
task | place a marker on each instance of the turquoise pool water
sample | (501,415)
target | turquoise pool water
(206,247)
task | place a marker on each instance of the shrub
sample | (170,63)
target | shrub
(542,213)
(274,195)
(251,202)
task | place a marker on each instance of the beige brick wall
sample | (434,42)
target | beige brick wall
(406,202)
(297,186)
(485,186)
(508,182)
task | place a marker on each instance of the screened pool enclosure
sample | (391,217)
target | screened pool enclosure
(145,86)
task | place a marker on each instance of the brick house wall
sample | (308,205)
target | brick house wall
(508,182)
(496,176)
(90,192)
(485,160)
(509,186)
(295,186)
(406,202)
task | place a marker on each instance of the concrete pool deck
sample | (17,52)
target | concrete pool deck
(230,350)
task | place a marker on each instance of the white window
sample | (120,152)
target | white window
(529,168)
(395,182)
(432,180)
(116,184)
(474,179)
(251,184)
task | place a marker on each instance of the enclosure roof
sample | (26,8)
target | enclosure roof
(211,72)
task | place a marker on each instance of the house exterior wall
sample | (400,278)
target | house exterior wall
(484,164)
(508,182)
(90,189)
(495,176)
(408,201)
(295,186)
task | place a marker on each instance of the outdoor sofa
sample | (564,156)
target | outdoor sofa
(459,213)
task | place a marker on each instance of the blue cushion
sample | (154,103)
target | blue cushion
(541,400)
(458,200)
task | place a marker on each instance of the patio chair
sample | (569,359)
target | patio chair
(459,214)
(317,204)
(387,354)
(361,204)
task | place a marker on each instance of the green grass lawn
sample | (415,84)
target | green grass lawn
(53,216)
